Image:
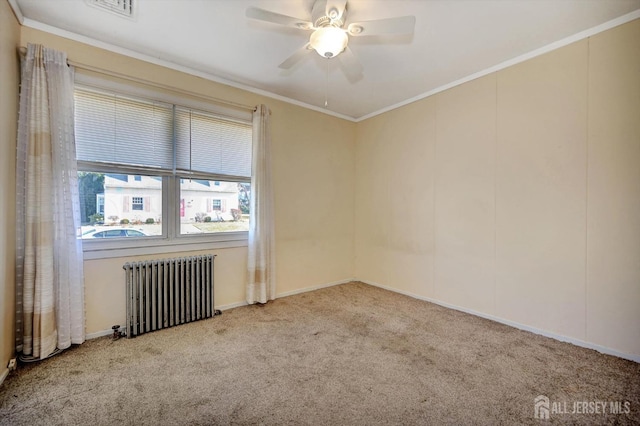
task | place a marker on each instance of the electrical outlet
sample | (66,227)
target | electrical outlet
(12,364)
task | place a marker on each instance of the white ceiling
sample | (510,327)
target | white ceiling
(453,41)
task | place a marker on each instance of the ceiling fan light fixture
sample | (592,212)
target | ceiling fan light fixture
(329,41)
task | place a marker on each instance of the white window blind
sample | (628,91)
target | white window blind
(209,144)
(116,129)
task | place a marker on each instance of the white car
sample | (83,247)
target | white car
(114,233)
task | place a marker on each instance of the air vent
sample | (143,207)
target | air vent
(119,7)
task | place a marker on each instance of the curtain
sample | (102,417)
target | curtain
(262,284)
(49,274)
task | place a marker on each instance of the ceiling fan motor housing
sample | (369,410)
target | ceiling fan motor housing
(320,18)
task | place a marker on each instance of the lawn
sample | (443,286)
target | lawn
(222,226)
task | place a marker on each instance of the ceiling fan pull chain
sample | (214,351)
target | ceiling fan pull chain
(326,87)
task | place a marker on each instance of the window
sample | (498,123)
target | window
(137,203)
(100,204)
(160,171)
(119,203)
(202,214)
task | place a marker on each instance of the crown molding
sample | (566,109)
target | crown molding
(541,51)
(174,66)
(16,11)
(212,77)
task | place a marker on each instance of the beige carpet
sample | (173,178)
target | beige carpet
(346,355)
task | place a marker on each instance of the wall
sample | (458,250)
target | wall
(516,195)
(313,175)
(9,80)
(613,180)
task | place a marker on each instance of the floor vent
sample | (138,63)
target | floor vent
(119,7)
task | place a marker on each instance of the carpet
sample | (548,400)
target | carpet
(351,354)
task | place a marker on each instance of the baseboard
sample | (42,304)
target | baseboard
(97,334)
(108,332)
(577,342)
(317,287)
(3,375)
(231,306)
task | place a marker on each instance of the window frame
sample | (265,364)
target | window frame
(171,240)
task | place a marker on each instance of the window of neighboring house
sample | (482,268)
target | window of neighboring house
(100,204)
(135,153)
(137,203)
(214,215)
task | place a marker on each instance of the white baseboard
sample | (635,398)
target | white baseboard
(231,305)
(577,342)
(3,375)
(103,333)
(97,334)
(317,287)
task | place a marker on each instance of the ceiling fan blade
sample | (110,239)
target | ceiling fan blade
(296,57)
(276,18)
(350,65)
(400,25)
(335,9)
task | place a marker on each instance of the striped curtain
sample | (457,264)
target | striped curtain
(262,274)
(49,274)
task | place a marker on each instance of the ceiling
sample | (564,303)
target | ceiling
(453,41)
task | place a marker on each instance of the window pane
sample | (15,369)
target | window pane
(208,206)
(116,205)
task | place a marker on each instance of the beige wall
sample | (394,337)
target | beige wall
(613,182)
(313,174)
(540,189)
(395,161)
(465,210)
(9,80)
(515,195)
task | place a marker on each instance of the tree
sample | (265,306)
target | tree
(244,197)
(89,185)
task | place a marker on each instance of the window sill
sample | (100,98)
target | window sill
(94,250)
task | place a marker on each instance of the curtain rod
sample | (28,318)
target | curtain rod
(23,53)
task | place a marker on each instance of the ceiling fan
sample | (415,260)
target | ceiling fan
(330,36)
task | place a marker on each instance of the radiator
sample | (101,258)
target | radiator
(163,293)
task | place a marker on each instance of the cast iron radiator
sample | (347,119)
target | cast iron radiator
(162,293)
